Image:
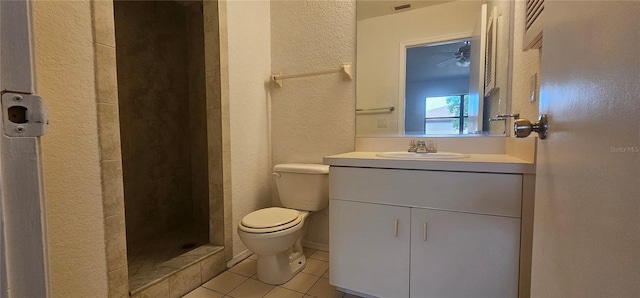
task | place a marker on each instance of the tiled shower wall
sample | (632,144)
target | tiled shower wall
(162,104)
(198,115)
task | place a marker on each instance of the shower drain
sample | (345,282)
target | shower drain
(189,245)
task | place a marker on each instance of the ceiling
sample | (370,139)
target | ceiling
(375,8)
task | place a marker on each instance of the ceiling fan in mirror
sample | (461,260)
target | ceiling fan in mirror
(461,58)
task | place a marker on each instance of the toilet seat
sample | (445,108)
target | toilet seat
(270,220)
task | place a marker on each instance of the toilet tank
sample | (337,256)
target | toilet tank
(303,186)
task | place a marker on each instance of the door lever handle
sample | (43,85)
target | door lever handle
(522,128)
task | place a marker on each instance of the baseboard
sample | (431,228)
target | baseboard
(315,245)
(239,258)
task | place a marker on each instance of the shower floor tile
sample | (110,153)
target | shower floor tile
(153,259)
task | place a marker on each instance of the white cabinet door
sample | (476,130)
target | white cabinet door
(369,246)
(463,254)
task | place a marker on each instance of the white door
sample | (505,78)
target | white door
(587,212)
(455,254)
(23,260)
(369,245)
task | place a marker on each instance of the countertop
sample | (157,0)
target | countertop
(485,163)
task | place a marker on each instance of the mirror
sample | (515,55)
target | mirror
(432,67)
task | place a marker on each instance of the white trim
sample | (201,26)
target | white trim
(476,76)
(404,45)
(24,266)
(315,245)
(490,84)
(239,258)
(3,262)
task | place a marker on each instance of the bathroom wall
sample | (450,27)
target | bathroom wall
(312,117)
(64,60)
(249,67)
(525,64)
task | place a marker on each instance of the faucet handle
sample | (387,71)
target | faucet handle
(412,146)
(432,147)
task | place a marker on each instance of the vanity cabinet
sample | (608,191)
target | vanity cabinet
(456,254)
(420,233)
(376,254)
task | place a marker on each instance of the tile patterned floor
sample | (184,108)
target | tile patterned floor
(240,281)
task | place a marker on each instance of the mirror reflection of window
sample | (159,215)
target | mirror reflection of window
(447,115)
(437,88)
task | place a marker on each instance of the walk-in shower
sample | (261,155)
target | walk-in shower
(160,53)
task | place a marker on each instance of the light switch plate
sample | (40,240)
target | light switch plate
(533,88)
(382,122)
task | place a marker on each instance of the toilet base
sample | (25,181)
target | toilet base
(279,269)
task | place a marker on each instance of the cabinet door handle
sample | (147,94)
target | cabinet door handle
(395,228)
(424,231)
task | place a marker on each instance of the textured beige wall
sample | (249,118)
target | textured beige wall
(312,117)
(64,51)
(525,64)
(249,59)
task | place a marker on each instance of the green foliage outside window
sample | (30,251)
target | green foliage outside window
(453,104)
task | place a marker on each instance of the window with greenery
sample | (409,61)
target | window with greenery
(447,114)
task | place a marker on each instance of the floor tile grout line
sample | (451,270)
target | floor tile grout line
(248,278)
(267,293)
(212,291)
(314,284)
(304,293)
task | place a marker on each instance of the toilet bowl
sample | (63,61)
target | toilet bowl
(279,247)
(275,234)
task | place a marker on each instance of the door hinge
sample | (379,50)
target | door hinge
(24,115)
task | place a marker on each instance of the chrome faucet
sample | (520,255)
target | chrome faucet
(422,147)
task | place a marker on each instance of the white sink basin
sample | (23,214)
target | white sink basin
(421,156)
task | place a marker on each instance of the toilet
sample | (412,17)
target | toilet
(275,234)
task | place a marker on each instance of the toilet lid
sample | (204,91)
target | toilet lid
(270,220)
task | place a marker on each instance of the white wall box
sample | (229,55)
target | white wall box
(422,233)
